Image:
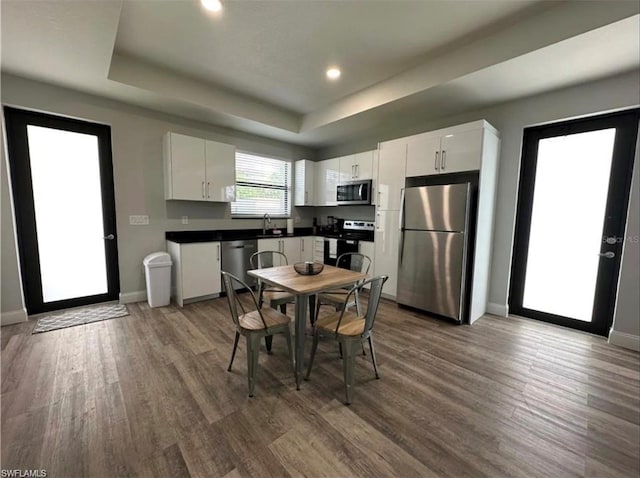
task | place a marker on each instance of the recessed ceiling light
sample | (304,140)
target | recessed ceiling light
(212,5)
(333,73)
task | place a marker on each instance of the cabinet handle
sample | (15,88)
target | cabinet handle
(352,173)
(444,159)
(203,196)
(208,190)
(357,170)
(218,252)
(306,197)
(435,163)
(302,244)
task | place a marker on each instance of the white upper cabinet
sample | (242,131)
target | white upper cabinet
(347,169)
(184,167)
(304,183)
(357,166)
(220,171)
(196,169)
(391,169)
(363,165)
(444,151)
(327,178)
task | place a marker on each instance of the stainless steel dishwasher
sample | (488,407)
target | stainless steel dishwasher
(235,258)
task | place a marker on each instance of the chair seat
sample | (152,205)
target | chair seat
(273,296)
(352,325)
(333,296)
(273,318)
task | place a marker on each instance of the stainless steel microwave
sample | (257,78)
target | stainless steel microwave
(354,192)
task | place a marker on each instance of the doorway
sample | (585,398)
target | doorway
(575,181)
(62,183)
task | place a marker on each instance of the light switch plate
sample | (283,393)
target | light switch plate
(138,220)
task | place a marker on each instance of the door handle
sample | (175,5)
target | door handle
(607,255)
(444,159)
(435,162)
(109,237)
(203,196)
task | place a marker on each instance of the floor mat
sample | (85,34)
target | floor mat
(80,317)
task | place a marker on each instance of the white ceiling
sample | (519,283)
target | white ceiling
(259,66)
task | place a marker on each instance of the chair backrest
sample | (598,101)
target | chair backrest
(264,259)
(354,261)
(235,305)
(375,292)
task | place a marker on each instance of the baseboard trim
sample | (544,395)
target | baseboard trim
(13,317)
(131,297)
(497,309)
(622,339)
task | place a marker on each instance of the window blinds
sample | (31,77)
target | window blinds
(263,185)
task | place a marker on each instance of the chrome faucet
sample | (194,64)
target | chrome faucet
(266,219)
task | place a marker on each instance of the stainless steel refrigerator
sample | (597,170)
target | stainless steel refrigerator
(433,249)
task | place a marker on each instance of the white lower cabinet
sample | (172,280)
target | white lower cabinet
(295,248)
(196,270)
(306,248)
(318,249)
(387,240)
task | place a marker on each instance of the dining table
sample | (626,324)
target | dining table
(305,288)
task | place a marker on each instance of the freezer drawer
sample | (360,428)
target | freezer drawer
(431,272)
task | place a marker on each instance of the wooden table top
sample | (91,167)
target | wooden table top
(288,279)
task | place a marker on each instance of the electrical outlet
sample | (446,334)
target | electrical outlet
(185,219)
(138,220)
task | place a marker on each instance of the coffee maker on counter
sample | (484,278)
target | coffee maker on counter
(334,225)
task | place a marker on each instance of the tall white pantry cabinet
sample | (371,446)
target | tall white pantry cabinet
(472,146)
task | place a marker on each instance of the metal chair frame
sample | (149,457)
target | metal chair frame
(349,343)
(324,299)
(253,336)
(257,262)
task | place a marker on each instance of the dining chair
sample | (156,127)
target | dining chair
(350,329)
(254,325)
(356,262)
(271,295)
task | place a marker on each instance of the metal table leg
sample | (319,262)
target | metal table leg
(302,302)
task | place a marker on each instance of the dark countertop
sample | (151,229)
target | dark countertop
(185,237)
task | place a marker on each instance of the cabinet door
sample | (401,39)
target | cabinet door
(306,248)
(304,183)
(328,175)
(292,249)
(220,168)
(423,155)
(363,165)
(391,167)
(200,269)
(387,239)
(318,249)
(461,151)
(347,168)
(275,244)
(185,168)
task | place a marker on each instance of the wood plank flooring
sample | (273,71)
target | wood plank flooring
(148,395)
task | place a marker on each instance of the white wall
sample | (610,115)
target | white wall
(11,301)
(510,119)
(138,175)
(626,323)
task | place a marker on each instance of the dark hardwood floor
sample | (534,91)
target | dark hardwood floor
(149,395)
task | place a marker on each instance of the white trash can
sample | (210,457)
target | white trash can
(157,271)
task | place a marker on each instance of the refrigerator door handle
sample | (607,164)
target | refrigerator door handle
(401,217)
